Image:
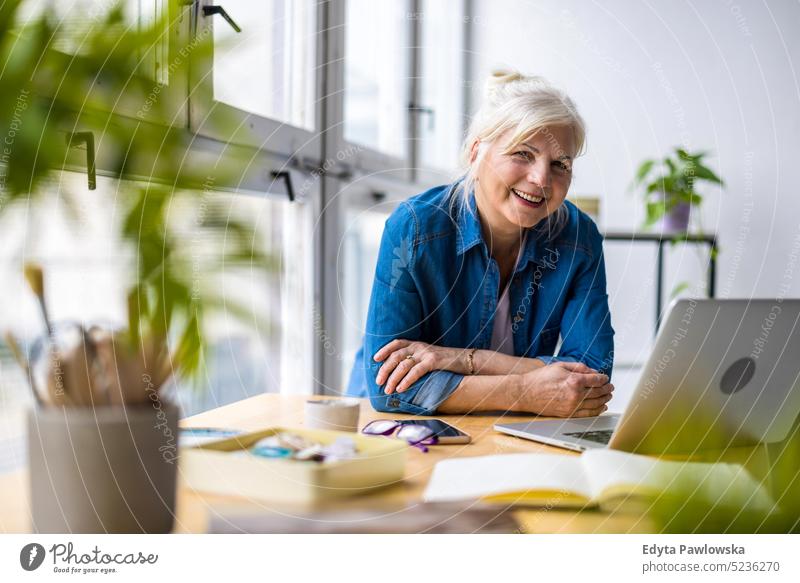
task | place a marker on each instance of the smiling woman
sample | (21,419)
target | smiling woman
(477,280)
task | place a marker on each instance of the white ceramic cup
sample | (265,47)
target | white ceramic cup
(333,414)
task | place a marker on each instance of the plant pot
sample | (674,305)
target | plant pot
(677,218)
(104,469)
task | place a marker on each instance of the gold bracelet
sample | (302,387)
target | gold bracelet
(470,361)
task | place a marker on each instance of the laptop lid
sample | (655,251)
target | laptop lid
(722,373)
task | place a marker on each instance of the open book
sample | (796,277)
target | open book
(597,477)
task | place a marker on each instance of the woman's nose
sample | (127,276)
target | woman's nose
(539,174)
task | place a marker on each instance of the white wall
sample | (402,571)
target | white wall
(646,75)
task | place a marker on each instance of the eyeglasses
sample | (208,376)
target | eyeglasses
(417,435)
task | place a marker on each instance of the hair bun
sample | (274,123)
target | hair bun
(504,84)
(500,77)
(496,82)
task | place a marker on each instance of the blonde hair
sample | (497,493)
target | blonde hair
(524,105)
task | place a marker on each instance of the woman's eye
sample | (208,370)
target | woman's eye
(562,168)
(523,155)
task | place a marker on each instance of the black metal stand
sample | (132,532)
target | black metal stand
(662,239)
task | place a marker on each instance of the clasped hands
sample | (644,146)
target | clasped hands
(560,389)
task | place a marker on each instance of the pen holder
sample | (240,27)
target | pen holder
(103,469)
(333,414)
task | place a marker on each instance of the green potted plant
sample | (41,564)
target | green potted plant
(103,438)
(669,188)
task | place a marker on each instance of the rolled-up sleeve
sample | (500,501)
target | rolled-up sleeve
(396,311)
(586,331)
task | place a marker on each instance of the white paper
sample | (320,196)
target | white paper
(475,477)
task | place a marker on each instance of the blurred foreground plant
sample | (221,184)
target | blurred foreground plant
(48,100)
(685,508)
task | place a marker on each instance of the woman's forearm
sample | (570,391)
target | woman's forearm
(489,362)
(407,361)
(484,393)
(563,389)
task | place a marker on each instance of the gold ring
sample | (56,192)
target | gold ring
(411,357)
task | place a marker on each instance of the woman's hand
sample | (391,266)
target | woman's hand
(565,389)
(405,362)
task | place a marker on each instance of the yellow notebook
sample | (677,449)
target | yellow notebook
(597,477)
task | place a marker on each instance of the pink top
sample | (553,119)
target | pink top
(502,336)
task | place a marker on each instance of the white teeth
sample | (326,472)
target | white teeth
(526,196)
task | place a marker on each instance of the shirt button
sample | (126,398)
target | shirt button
(517,319)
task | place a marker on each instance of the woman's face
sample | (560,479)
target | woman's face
(519,188)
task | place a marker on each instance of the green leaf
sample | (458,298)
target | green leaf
(643,170)
(190,350)
(655,210)
(706,174)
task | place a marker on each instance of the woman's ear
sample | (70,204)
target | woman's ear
(473,151)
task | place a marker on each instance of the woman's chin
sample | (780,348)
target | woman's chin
(526,220)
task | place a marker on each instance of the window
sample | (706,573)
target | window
(440,117)
(370,202)
(377,75)
(258,86)
(162,63)
(362,239)
(267,69)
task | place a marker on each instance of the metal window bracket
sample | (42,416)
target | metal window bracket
(421,110)
(85,140)
(211,10)
(339,170)
(287,180)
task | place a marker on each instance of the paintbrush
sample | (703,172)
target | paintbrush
(35,278)
(59,394)
(23,363)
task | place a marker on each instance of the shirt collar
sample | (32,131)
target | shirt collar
(469,225)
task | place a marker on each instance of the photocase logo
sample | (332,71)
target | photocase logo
(402,259)
(31,556)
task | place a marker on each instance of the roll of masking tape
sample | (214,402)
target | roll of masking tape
(333,414)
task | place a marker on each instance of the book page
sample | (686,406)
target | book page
(476,477)
(605,468)
(620,472)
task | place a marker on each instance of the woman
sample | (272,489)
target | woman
(476,280)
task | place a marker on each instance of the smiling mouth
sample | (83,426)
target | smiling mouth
(528,197)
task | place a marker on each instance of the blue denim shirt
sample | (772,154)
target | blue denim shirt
(436,282)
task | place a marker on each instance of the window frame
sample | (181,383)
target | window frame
(265,133)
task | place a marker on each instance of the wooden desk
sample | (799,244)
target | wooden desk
(195,509)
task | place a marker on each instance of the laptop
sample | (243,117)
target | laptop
(722,373)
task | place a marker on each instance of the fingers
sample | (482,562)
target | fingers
(590,412)
(597,403)
(388,367)
(594,401)
(589,376)
(393,346)
(595,392)
(575,367)
(400,371)
(412,377)
(582,380)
